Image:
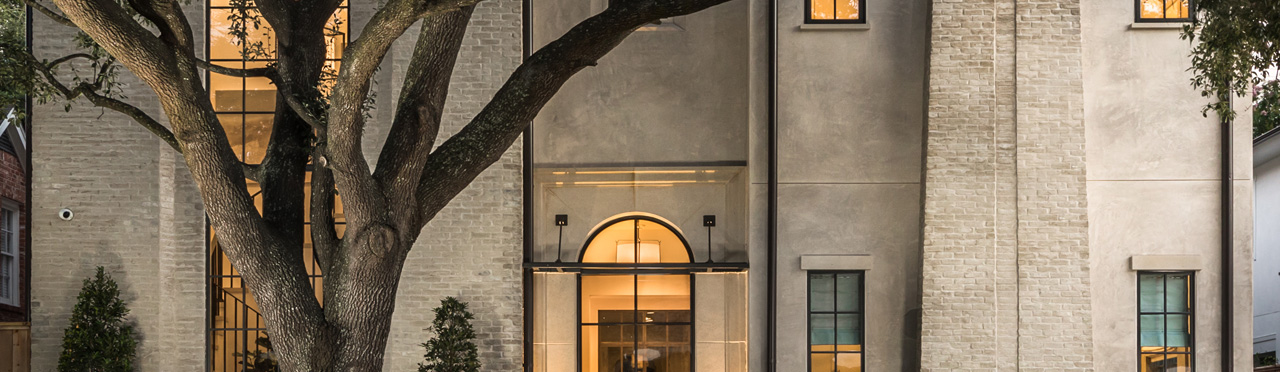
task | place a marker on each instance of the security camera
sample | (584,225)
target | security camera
(66,214)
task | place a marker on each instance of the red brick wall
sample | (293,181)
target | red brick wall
(13,189)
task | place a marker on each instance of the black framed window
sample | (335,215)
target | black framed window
(835,11)
(1163,10)
(236,335)
(836,319)
(1166,322)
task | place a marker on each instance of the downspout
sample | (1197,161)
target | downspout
(771,359)
(26,268)
(1228,236)
(526,275)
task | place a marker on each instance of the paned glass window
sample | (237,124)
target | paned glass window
(9,256)
(238,340)
(1166,318)
(836,321)
(1164,10)
(834,11)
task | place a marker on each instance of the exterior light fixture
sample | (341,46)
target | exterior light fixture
(562,220)
(709,221)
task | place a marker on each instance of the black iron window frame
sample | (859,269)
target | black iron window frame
(808,13)
(1190,314)
(1137,12)
(635,280)
(860,314)
(242,345)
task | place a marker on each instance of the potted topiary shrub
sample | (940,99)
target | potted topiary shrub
(98,338)
(451,349)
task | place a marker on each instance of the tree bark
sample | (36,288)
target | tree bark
(385,209)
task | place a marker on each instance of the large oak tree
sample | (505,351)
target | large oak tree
(386,204)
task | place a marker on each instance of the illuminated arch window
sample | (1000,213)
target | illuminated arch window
(636,319)
(1163,10)
(834,11)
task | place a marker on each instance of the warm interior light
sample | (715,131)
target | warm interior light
(649,252)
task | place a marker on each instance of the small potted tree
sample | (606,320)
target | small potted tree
(98,338)
(452,348)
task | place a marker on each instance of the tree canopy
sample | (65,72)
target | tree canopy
(1234,43)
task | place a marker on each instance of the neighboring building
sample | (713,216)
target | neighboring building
(13,221)
(834,186)
(1266,240)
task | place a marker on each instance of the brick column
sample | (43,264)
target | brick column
(1005,271)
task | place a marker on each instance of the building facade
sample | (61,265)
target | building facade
(775,185)
(1266,310)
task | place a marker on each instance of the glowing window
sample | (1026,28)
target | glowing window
(623,239)
(1166,315)
(834,11)
(1163,10)
(246,108)
(836,321)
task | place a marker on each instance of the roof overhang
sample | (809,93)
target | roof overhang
(1266,147)
(16,136)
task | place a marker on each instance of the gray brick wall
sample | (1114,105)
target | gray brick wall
(473,248)
(961,241)
(107,170)
(139,214)
(1006,279)
(1053,235)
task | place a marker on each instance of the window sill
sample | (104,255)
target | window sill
(840,262)
(835,27)
(1157,25)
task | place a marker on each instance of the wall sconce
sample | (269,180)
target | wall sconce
(709,221)
(562,220)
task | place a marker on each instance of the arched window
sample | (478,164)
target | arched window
(635,319)
(622,238)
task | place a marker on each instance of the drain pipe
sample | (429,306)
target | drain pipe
(771,359)
(1228,236)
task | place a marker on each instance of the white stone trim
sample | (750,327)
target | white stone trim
(1166,263)
(842,262)
(835,26)
(1157,25)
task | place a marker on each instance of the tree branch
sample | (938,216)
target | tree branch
(167,16)
(421,105)
(360,59)
(89,91)
(236,72)
(452,166)
(50,13)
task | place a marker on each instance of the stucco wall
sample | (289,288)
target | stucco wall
(1154,182)
(661,96)
(850,122)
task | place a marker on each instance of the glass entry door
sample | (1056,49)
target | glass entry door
(636,323)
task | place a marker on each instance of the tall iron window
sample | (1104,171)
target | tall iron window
(1166,319)
(630,319)
(1163,10)
(836,318)
(9,255)
(237,338)
(834,11)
